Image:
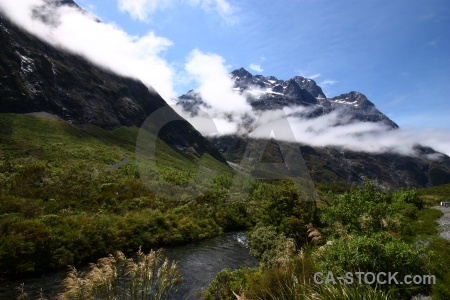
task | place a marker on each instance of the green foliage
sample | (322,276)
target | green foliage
(272,249)
(376,253)
(409,196)
(367,210)
(438,251)
(228,284)
(434,195)
(60,200)
(367,230)
(288,209)
(348,292)
(425,225)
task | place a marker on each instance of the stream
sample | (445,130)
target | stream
(198,263)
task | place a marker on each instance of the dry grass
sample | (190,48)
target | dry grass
(314,234)
(151,276)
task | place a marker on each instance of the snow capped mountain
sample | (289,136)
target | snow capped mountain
(343,139)
(270,93)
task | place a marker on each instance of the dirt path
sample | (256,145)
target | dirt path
(444,222)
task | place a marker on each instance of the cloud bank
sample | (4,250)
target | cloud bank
(357,136)
(103,44)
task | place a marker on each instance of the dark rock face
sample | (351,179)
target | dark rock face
(360,108)
(35,76)
(38,77)
(346,168)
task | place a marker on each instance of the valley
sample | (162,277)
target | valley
(98,172)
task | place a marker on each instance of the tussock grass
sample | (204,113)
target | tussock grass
(116,277)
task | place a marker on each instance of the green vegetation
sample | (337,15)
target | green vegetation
(61,203)
(362,230)
(436,194)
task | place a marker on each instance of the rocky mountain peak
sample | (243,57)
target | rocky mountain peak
(268,93)
(241,73)
(353,98)
(310,85)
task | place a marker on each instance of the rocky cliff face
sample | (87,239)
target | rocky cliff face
(35,77)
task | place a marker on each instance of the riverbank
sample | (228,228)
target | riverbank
(198,263)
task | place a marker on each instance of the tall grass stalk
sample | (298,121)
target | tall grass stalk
(150,277)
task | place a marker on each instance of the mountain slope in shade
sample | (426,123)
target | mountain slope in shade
(37,77)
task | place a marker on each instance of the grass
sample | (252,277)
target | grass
(434,195)
(60,201)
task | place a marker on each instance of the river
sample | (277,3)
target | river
(198,263)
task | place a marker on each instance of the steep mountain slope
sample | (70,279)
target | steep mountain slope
(36,76)
(329,165)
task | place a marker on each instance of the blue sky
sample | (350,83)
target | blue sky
(394,52)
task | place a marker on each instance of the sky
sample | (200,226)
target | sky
(394,52)
(397,53)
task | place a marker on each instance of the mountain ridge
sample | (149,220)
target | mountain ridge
(269,93)
(330,164)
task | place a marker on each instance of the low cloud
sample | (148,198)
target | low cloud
(103,44)
(369,137)
(215,85)
(334,129)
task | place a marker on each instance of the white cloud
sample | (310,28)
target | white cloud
(215,85)
(306,74)
(357,136)
(256,68)
(143,10)
(313,76)
(103,44)
(329,82)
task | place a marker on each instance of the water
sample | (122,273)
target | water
(198,263)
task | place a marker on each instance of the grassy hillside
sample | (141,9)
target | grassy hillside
(434,195)
(65,200)
(61,203)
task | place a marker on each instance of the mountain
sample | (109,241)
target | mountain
(37,77)
(269,93)
(327,165)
